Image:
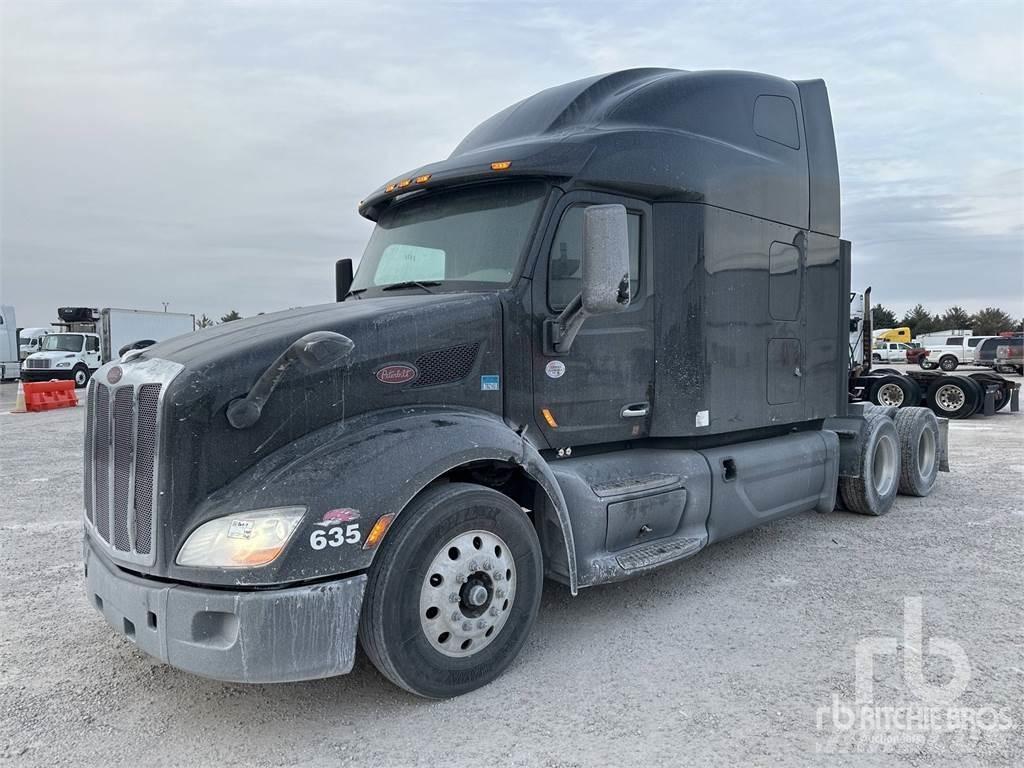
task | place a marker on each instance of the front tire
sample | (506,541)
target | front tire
(453,593)
(80,374)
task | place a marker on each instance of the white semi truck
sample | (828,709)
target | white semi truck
(94,337)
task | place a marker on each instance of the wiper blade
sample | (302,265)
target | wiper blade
(354,292)
(425,285)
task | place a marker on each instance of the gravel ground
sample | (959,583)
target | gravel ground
(723,659)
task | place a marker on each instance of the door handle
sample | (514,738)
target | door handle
(634,411)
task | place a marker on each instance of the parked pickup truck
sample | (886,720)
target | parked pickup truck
(952,352)
(890,352)
(1010,356)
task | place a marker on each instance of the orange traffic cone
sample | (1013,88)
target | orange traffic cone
(19,401)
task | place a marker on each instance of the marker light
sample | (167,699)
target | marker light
(389,188)
(241,540)
(423,179)
(404,183)
(501,165)
(549,418)
(379,529)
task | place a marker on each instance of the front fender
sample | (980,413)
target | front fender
(371,465)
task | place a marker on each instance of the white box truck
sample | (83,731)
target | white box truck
(96,337)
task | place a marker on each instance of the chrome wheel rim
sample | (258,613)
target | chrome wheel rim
(926,452)
(950,397)
(883,465)
(80,378)
(467,593)
(890,394)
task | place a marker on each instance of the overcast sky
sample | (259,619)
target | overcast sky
(212,155)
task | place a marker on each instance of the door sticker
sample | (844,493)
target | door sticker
(490,383)
(555,369)
(703,418)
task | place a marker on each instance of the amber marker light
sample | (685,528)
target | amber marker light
(379,529)
(423,179)
(389,188)
(501,165)
(404,183)
(549,418)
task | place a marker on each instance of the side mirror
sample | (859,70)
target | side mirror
(605,280)
(605,259)
(342,278)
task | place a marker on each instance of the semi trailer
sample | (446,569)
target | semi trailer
(607,332)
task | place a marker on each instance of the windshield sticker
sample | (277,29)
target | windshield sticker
(490,383)
(401,262)
(555,369)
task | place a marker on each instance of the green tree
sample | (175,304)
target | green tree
(203,321)
(232,315)
(954,318)
(919,320)
(991,321)
(883,317)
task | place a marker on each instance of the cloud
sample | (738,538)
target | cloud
(212,154)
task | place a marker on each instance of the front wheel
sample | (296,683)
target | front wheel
(948,363)
(81,376)
(454,591)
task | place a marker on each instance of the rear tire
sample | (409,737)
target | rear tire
(874,492)
(454,591)
(897,391)
(948,363)
(1005,388)
(953,397)
(918,433)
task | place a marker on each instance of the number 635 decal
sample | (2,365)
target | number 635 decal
(335,537)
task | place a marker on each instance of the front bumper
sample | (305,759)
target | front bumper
(46,374)
(268,636)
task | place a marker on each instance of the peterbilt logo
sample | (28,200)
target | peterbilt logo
(396,373)
(114,374)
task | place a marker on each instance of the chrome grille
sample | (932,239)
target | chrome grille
(122,446)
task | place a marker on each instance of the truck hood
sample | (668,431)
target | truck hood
(410,349)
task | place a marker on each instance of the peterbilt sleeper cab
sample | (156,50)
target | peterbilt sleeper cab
(608,331)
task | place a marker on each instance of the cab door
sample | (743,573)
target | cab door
(602,389)
(91,353)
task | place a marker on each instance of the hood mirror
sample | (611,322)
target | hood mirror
(315,351)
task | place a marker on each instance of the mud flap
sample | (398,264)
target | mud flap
(943,444)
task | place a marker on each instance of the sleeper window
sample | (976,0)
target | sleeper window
(567,257)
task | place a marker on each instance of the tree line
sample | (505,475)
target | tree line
(205,322)
(990,321)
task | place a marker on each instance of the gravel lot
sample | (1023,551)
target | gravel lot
(722,659)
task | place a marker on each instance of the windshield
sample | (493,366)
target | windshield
(63,342)
(474,235)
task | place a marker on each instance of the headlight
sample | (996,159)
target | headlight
(63,365)
(241,540)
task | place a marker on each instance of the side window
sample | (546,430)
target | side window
(566,257)
(775,120)
(92,344)
(973,342)
(784,281)
(954,341)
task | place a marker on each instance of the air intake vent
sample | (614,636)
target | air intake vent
(446,365)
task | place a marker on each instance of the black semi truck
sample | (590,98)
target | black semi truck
(609,330)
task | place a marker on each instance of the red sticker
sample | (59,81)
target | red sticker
(342,515)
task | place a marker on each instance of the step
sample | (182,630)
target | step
(658,553)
